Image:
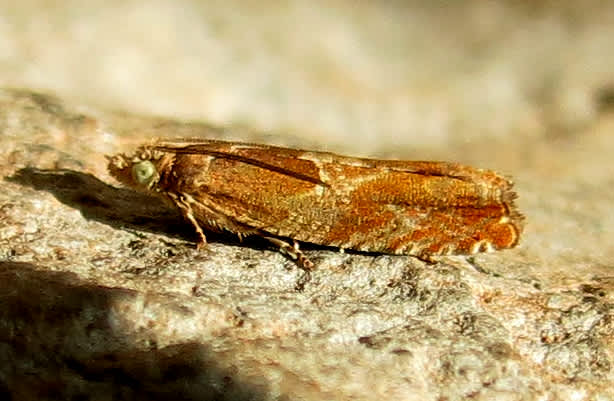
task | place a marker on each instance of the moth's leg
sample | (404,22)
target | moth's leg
(203,239)
(426,258)
(183,204)
(292,251)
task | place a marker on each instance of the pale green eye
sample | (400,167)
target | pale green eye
(143,172)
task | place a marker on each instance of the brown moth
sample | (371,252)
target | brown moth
(419,208)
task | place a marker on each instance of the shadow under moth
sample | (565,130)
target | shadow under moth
(418,208)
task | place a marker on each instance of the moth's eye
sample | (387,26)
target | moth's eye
(143,172)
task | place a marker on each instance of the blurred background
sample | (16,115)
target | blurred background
(414,79)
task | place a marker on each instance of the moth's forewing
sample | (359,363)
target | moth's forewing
(419,208)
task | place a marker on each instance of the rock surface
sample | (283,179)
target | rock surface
(103,296)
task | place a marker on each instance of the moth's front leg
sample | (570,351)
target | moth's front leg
(183,202)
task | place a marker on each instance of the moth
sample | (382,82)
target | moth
(287,196)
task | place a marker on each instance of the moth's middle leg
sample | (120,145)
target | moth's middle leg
(292,251)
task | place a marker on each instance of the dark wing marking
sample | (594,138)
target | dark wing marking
(205,150)
(424,168)
(432,169)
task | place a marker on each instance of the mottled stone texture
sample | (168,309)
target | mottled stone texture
(103,295)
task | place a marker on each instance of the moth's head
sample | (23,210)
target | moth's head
(139,171)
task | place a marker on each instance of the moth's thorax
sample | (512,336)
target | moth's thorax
(123,167)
